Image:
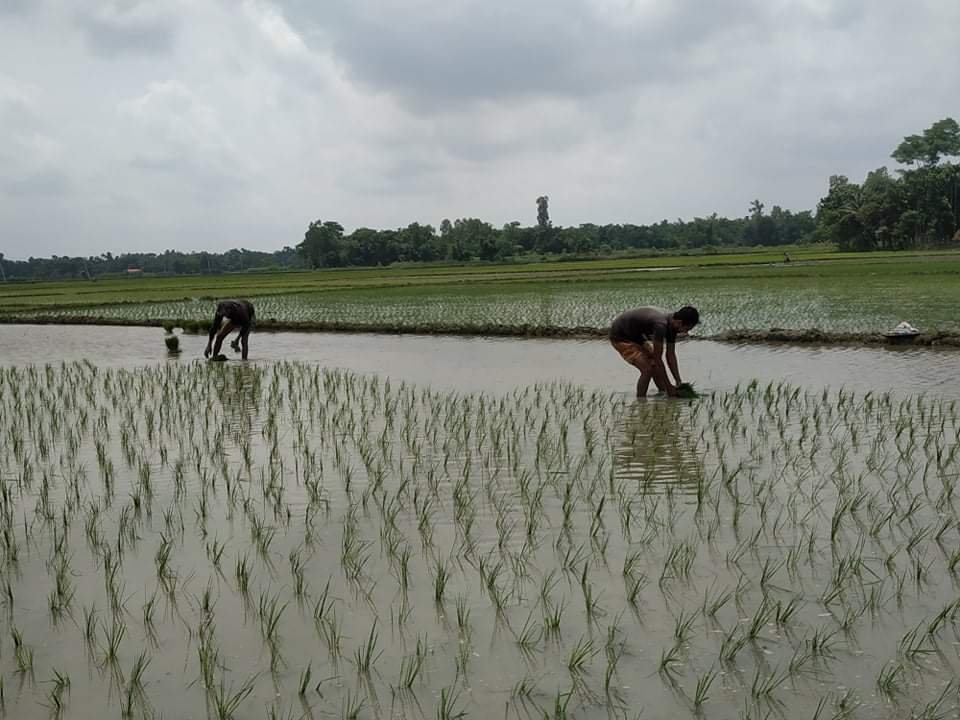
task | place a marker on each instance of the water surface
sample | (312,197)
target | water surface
(496,364)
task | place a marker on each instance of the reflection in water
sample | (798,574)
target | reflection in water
(238,390)
(656,448)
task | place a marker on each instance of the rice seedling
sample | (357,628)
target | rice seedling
(305,676)
(270,612)
(351,706)
(702,691)
(447,707)
(553,618)
(668,659)
(463,615)
(890,679)
(524,689)
(441,576)
(529,635)
(581,654)
(367,654)
(226,701)
(733,642)
(714,600)
(411,667)
(763,685)
(60,685)
(683,625)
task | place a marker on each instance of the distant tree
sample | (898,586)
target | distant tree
(420,243)
(321,245)
(543,212)
(473,238)
(838,216)
(942,139)
(881,207)
(762,229)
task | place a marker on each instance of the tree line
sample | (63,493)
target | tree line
(171,262)
(918,206)
(325,243)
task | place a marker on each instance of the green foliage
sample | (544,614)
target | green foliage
(136,265)
(321,244)
(942,139)
(325,245)
(920,208)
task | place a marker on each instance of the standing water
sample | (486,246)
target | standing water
(378,527)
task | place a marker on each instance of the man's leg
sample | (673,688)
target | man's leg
(643,383)
(224,331)
(659,374)
(650,369)
(637,356)
(245,342)
(214,327)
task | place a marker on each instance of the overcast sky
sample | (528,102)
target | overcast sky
(210,124)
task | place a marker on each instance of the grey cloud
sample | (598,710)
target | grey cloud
(16,7)
(229,122)
(409,175)
(48,183)
(454,53)
(16,113)
(177,132)
(115,27)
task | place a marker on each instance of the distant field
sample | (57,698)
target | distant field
(833,292)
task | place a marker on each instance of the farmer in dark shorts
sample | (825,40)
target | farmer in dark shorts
(231,315)
(638,335)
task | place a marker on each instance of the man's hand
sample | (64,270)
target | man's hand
(206,352)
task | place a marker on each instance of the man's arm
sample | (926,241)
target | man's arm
(659,371)
(217,322)
(672,362)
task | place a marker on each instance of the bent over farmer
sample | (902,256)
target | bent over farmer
(639,336)
(231,315)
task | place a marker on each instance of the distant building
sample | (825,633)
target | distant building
(134,271)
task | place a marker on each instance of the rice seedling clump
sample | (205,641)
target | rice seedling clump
(686,391)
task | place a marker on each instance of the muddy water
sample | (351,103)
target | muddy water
(534,498)
(495,364)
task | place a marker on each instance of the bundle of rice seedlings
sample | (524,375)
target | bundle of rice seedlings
(685,391)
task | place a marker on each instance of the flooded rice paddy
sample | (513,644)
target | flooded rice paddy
(381,527)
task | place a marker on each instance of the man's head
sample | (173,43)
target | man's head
(685,319)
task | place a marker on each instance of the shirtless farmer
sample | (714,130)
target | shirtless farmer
(639,336)
(231,315)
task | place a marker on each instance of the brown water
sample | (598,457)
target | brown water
(497,364)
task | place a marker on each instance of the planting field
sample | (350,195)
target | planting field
(864,294)
(290,541)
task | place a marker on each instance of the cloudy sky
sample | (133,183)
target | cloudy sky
(210,124)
